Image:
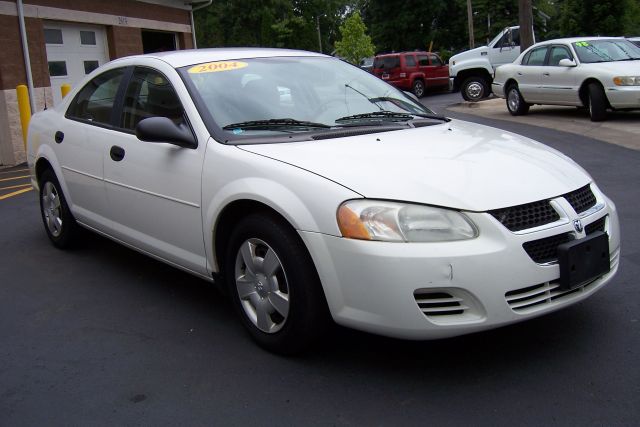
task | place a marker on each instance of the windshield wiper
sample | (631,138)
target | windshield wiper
(390,115)
(432,116)
(274,124)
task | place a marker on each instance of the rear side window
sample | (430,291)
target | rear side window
(535,57)
(423,60)
(94,102)
(435,60)
(387,62)
(410,61)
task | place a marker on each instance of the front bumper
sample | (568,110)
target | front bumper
(624,97)
(381,287)
(498,89)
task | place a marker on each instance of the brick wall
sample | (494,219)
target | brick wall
(130,8)
(124,41)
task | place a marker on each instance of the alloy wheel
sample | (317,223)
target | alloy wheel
(262,285)
(51,209)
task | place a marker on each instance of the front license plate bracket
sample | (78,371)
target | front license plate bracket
(583,260)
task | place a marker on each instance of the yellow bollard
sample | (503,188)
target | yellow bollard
(64,89)
(25,110)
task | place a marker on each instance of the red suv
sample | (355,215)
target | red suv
(412,71)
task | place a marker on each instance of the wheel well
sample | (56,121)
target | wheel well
(42,165)
(584,90)
(229,217)
(465,74)
(508,84)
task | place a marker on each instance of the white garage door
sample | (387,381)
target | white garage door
(73,51)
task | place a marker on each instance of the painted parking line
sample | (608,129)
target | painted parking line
(13,178)
(15,193)
(13,171)
(15,186)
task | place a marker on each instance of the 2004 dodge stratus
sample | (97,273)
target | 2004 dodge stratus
(317,191)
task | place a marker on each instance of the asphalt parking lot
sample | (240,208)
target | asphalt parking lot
(102,335)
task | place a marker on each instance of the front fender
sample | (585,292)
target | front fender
(309,202)
(467,64)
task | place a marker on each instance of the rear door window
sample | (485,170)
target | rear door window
(95,101)
(410,61)
(535,57)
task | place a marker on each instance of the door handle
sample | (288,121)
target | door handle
(116,153)
(545,74)
(519,73)
(59,137)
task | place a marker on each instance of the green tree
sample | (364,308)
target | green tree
(355,44)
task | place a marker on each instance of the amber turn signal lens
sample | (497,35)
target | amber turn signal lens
(350,224)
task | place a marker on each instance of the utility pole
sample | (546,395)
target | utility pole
(526,23)
(470,19)
(319,36)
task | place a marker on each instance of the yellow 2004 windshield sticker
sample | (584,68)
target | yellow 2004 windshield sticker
(216,67)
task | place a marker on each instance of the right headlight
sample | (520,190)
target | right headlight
(402,222)
(627,81)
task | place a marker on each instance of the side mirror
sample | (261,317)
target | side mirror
(163,129)
(567,63)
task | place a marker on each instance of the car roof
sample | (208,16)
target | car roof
(182,58)
(405,53)
(577,39)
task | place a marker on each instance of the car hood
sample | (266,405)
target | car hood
(469,53)
(618,68)
(458,165)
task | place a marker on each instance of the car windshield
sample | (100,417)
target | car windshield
(261,96)
(592,51)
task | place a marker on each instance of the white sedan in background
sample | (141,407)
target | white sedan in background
(337,197)
(599,73)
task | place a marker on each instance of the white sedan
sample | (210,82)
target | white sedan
(599,73)
(315,191)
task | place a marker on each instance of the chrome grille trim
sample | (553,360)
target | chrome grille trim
(537,296)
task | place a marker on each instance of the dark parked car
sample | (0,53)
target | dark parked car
(412,71)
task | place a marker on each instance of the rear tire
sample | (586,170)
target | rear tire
(474,88)
(515,102)
(59,223)
(274,285)
(597,103)
(418,88)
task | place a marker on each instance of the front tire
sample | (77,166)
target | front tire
(59,223)
(418,88)
(274,285)
(597,103)
(474,88)
(515,102)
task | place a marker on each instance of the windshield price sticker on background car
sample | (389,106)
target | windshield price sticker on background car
(215,67)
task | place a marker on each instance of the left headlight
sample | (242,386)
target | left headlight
(627,81)
(402,222)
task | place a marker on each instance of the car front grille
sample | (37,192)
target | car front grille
(546,250)
(526,298)
(532,297)
(536,214)
(525,216)
(597,225)
(439,303)
(581,199)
